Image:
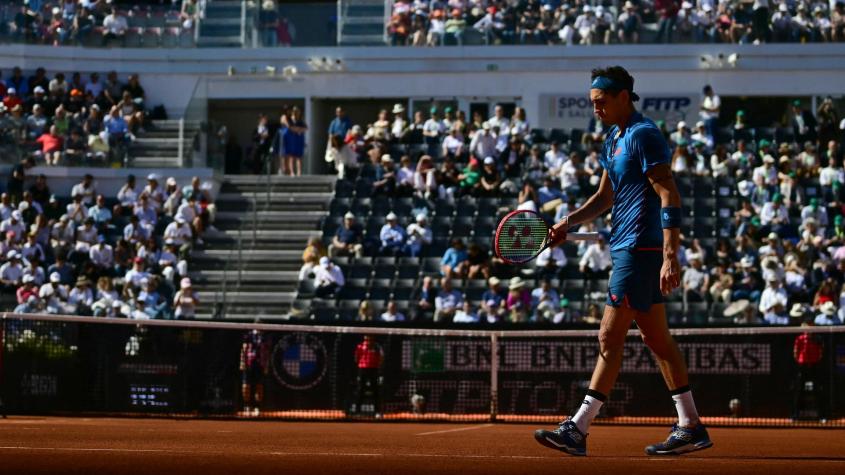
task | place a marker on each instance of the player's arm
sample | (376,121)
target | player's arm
(661,180)
(597,204)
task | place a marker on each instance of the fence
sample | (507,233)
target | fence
(82,365)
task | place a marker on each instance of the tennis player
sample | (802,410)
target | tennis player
(637,182)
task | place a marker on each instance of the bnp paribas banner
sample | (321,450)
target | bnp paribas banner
(574,111)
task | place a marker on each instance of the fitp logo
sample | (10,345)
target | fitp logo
(299,361)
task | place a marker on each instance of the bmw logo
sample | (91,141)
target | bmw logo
(299,361)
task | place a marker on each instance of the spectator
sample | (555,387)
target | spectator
(803,123)
(328,278)
(545,301)
(294,141)
(447,302)
(668,13)
(115,27)
(431,131)
(385,182)
(493,301)
(773,302)
(477,263)
(11,273)
(466,314)
(391,314)
(365,311)
(454,261)
(551,263)
(424,300)
(470,178)
(696,280)
(348,239)
(828,315)
(518,302)
(314,251)
(419,235)
(392,236)
(628,24)
(185,301)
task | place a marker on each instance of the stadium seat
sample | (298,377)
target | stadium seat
(558,135)
(408,271)
(384,271)
(443,208)
(362,206)
(467,206)
(344,188)
(324,315)
(358,270)
(348,292)
(463,227)
(339,206)
(538,136)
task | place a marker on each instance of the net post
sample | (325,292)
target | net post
(2,363)
(494,376)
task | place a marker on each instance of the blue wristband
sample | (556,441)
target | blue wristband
(670,217)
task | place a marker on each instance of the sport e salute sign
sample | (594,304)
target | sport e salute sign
(575,111)
(578,357)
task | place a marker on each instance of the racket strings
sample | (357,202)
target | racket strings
(522,237)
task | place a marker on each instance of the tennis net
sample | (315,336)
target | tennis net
(69,365)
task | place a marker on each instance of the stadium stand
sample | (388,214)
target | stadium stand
(754,224)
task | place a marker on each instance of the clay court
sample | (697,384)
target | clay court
(100,445)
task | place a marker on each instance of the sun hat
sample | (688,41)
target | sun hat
(516,283)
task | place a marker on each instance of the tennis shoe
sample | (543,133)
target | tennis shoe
(682,440)
(566,438)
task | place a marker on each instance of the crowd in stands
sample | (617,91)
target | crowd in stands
(97,22)
(109,256)
(70,120)
(764,235)
(585,22)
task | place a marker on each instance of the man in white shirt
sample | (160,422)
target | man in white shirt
(709,111)
(6,206)
(696,280)
(554,159)
(551,262)
(179,233)
(136,274)
(14,223)
(154,191)
(85,189)
(545,300)
(569,172)
(11,272)
(328,278)
(499,120)
(391,314)
(466,314)
(774,296)
(102,254)
(595,264)
(86,236)
(819,213)
(419,235)
(115,27)
(392,235)
(774,213)
(447,302)
(701,135)
(829,175)
(585,24)
(432,129)
(483,143)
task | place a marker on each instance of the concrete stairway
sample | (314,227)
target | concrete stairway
(158,146)
(362,23)
(249,267)
(221,26)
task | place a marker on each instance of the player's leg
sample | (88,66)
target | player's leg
(570,436)
(688,434)
(654,330)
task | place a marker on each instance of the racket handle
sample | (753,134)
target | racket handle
(582,236)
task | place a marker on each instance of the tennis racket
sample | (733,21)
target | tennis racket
(522,235)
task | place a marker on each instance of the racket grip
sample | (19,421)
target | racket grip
(582,236)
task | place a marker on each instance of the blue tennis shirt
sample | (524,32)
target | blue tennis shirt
(636,207)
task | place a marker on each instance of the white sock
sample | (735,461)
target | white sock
(687,414)
(586,413)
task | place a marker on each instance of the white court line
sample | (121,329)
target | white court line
(456,430)
(642,458)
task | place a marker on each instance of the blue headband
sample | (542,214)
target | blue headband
(606,84)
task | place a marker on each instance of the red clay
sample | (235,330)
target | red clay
(102,446)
